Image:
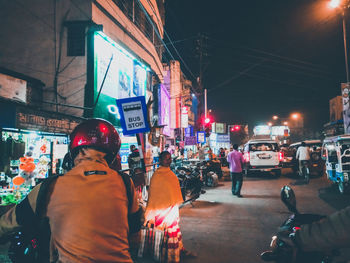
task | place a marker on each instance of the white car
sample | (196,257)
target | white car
(262,155)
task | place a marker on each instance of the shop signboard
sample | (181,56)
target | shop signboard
(191,140)
(279,130)
(164,109)
(175,93)
(133,115)
(201,137)
(189,131)
(223,138)
(13,88)
(184,117)
(124,151)
(126,77)
(219,127)
(346,108)
(34,120)
(262,130)
(335,109)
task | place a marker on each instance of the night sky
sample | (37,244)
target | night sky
(263,57)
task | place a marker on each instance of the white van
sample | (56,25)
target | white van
(262,155)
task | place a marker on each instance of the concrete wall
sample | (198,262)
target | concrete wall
(33,42)
(30,44)
(127,34)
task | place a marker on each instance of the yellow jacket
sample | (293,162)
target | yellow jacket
(87,211)
(164,190)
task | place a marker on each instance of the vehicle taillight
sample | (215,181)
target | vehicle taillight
(280,156)
(246,157)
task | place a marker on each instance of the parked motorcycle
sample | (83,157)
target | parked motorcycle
(190,183)
(209,176)
(281,251)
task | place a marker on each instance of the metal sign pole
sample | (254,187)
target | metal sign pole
(140,146)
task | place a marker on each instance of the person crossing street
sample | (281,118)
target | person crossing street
(235,160)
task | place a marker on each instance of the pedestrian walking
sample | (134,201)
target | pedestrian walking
(235,160)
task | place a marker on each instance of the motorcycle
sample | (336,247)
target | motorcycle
(281,251)
(214,165)
(190,183)
(209,176)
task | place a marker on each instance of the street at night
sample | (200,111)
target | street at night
(223,228)
(174,131)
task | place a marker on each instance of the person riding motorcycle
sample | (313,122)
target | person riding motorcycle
(329,233)
(91,210)
(303,155)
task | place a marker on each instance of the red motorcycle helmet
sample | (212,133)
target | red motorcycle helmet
(95,133)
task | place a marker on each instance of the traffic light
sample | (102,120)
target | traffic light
(207,122)
(235,128)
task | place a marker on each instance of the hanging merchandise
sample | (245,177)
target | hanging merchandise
(43,166)
(43,148)
(27,168)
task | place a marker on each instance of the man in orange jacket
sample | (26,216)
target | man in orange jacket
(91,210)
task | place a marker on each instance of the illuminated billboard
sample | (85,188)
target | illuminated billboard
(121,74)
(262,130)
(279,130)
(164,109)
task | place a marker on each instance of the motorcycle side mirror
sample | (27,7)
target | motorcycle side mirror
(288,198)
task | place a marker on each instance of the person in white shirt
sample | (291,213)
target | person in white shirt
(303,155)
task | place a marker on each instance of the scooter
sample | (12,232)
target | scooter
(281,251)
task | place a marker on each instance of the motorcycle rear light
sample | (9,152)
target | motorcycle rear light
(296,228)
(280,156)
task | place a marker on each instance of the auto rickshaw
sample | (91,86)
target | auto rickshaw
(336,152)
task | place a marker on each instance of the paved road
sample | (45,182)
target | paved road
(223,228)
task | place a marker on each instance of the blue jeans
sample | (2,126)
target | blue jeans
(237,182)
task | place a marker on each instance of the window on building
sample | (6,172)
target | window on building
(76,39)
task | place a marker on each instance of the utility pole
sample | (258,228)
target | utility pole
(202,53)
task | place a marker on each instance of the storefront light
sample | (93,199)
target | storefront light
(33,135)
(101,46)
(113,109)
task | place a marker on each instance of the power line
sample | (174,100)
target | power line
(176,41)
(177,52)
(242,72)
(274,55)
(296,69)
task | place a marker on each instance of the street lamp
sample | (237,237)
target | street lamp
(275,117)
(343,5)
(295,116)
(334,3)
(269,123)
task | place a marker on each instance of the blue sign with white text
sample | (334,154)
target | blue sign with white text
(133,115)
(201,137)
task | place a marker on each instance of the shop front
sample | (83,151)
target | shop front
(218,141)
(38,135)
